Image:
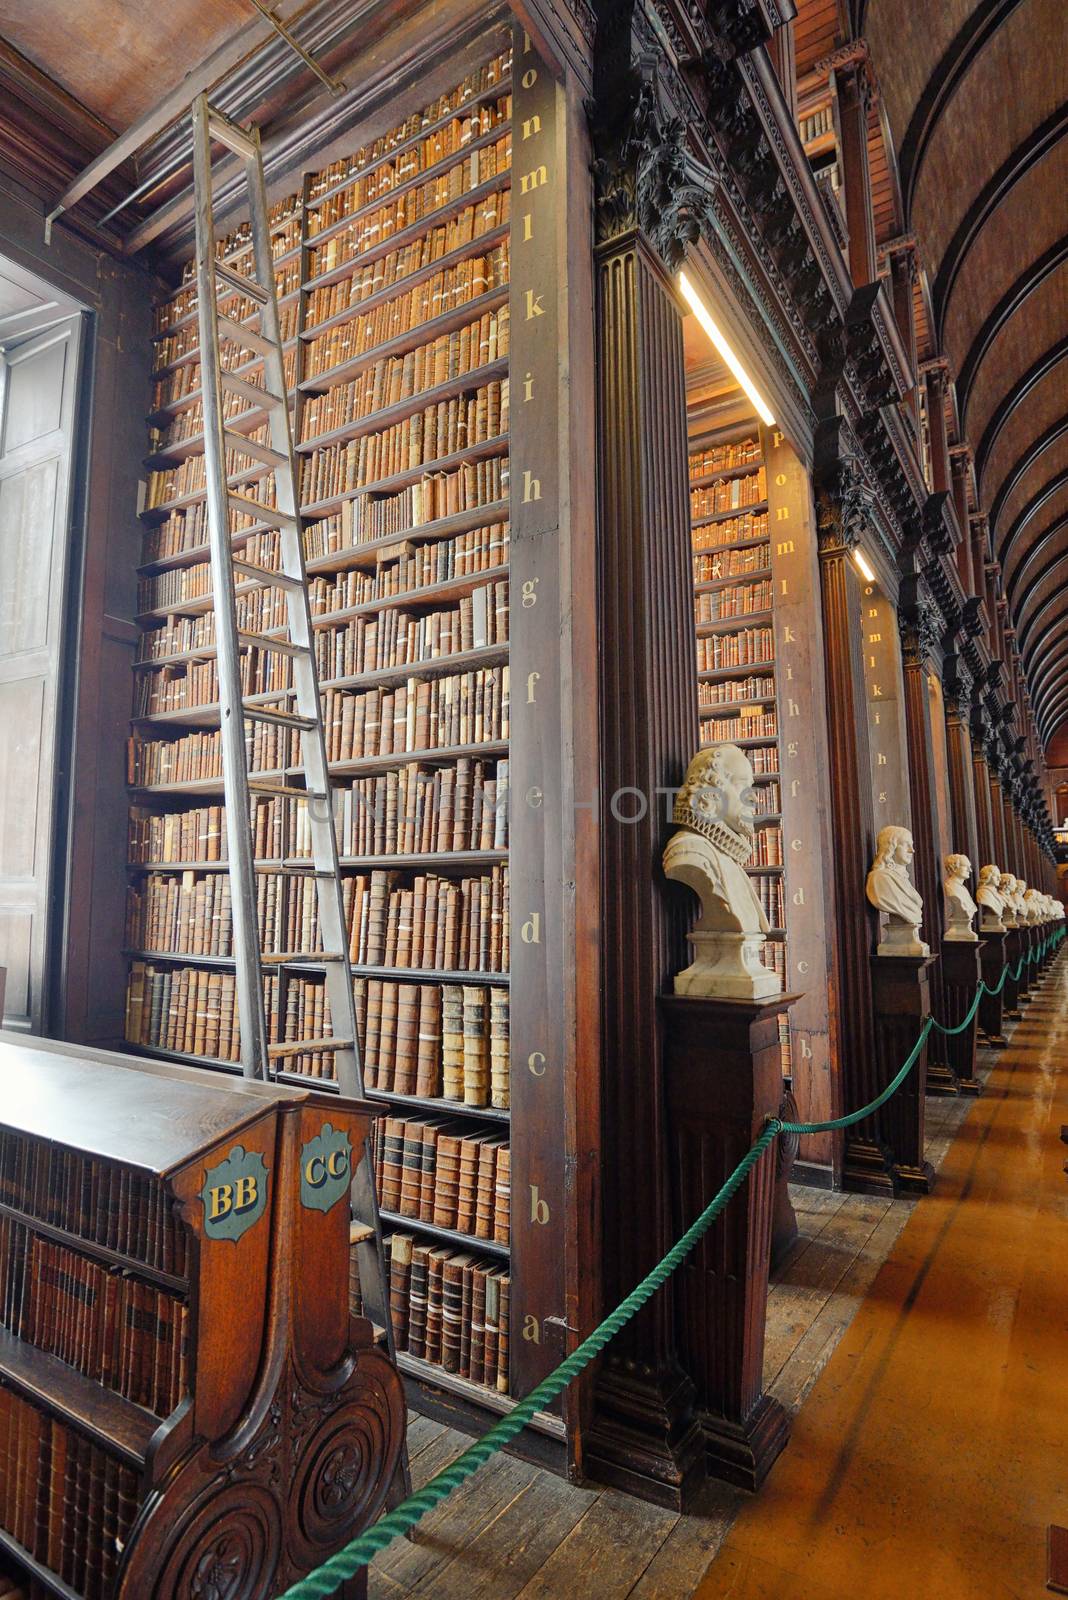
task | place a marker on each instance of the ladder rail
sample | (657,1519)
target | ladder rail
(249,982)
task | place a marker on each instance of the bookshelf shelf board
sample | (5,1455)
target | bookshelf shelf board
(186,360)
(496,446)
(733,624)
(729,544)
(755,743)
(308,963)
(764,819)
(725,474)
(405,236)
(762,872)
(455,159)
(193,445)
(493,92)
(189,786)
(49,1580)
(360,766)
(724,674)
(431,1376)
(173,408)
(88,1247)
(184,1058)
(420,332)
(356,555)
(463,1241)
(431,594)
(121,1427)
(707,712)
(440,1106)
(438,860)
(402,409)
(822,143)
(725,516)
(707,585)
(230,294)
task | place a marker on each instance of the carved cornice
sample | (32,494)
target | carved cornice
(957,686)
(940,523)
(742,25)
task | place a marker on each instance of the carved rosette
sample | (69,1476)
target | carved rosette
(226,1545)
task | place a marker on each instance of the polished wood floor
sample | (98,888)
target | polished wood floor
(922,1348)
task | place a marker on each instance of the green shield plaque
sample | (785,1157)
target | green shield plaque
(325,1168)
(234,1194)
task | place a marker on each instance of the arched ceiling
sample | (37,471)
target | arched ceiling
(975,95)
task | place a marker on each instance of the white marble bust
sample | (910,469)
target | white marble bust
(1033,906)
(991,904)
(1007,891)
(891,891)
(960,907)
(1018,902)
(714,814)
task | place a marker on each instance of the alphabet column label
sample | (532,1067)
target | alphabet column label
(886,727)
(536,814)
(234,1194)
(800,697)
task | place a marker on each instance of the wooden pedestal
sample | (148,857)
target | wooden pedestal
(961,969)
(723,1079)
(1027,976)
(1010,995)
(991,1007)
(884,1154)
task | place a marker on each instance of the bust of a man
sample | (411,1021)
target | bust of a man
(989,897)
(890,890)
(1033,906)
(1007,891)
(960,907)
(714,817)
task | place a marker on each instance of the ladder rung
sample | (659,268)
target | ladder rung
(250,338)
(252,447)
(266,641)
(258,786)
(291,957)
(297,1048)
(266,514)
(241,283)
(266,577)
(280,719)
(231,135)
(359,1232)
(254,394)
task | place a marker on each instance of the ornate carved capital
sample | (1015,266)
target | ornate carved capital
(919,623)
(742,25)
(844,504)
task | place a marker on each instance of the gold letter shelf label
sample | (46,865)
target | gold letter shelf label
(530,932)
(539,1210)
(536,1063)
(531,1330)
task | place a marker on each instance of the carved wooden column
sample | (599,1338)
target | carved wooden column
(993,956)
(958,466)
(852,81)
(644,1436)
(916,645)
(961,762)
(843,509)
(984,819)
(902,999)
(902,257)
(997,814)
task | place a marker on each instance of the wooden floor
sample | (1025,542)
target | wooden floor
(516,1531)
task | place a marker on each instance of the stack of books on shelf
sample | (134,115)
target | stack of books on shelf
(450,1307)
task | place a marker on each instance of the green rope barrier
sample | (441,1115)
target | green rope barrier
(345,1563)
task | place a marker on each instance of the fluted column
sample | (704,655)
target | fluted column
(984,817)
(961,763)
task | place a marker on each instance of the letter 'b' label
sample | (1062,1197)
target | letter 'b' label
(325,1168)
(234,1194)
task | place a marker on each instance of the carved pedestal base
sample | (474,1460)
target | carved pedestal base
(961,966)
(1010,995)
(884,1155)
(723,1079)
(728,966)
(646,1438)
(1027,976)
(992,959)
(783,1216)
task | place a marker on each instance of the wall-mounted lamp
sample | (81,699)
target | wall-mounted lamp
(864,566)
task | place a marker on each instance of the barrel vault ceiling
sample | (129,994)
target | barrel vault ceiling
(973,98)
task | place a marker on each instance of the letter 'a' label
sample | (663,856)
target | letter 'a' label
(234,1194)
(325,1168)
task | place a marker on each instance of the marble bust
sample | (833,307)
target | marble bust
(960,907)
(714,817)
(991,904)
(1006,889)
(891,892)
(1033,906)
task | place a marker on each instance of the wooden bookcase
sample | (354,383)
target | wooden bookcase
(171,1397)
(438,575)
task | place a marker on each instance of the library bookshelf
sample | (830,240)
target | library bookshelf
(168,1398)
(437,572)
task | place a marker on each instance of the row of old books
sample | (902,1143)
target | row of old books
(373,228)
(412,128)
(393,379)
(471,486)
(437,1041)
(412,810)
(415,160)
(724,457)
(729,494)
(436,431)
(750,723)
(767,800)
(743,649)
(461,709)
(184,341)
(105,1205)
(730,563)
(764,760)
(773,955)
(281,218)
(467,275)
(405,567)
(63,1499)
(772,899)
(450,1308)
(183,307)
(741,600)
(729,690)
(187,1010)
(188,477)
(125,1334)
(197,756)
(183,382)
(436,1170)
(767,847)
(716,535)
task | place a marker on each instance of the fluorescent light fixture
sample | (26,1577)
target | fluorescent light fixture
(718,338)
(865,567)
